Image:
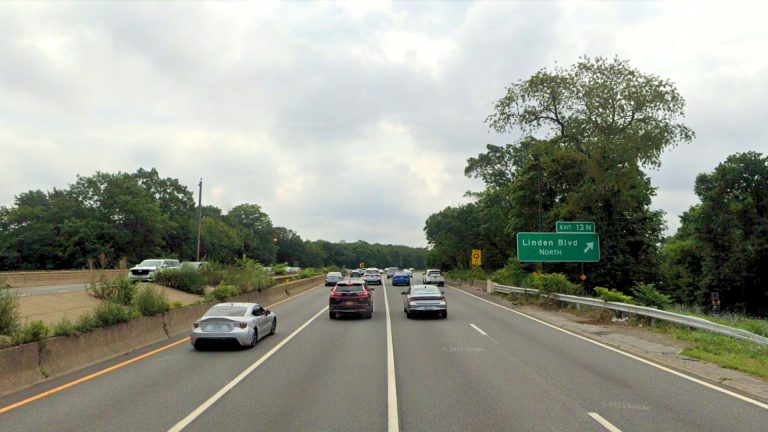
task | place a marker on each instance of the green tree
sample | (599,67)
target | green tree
(290,247)
(731,229)
(255,228)
(588,131)
(219,242)
(452,233)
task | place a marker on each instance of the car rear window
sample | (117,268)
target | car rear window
(227,310)
(150,263)
(344,289)
(425,291)
(374,273)
(433,273)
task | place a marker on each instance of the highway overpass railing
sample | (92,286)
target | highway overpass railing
(685,320)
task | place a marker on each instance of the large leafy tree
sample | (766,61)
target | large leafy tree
(452,233)
(255,228)
(731,229)
(587,133)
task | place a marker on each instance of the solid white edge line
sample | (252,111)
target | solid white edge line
(230,385)
(393,421)
(626,354)
(605,423)
(478,329)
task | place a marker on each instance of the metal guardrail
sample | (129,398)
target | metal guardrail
(688,321)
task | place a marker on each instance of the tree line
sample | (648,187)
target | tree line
(586,134)
(134,216)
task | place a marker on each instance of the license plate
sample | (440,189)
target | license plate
(349,303)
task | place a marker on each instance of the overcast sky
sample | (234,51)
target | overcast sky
(345,120)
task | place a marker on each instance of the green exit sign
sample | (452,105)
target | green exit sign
(558,247)
(574,227)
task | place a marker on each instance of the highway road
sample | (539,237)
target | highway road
(484,368)
(48,289)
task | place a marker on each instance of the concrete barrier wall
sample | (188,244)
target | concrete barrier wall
(61,355)
(26,365)
(56,277)
(19,368)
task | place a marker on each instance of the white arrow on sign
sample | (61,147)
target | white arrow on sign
(590,246)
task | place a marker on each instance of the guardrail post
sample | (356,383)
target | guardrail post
(489,286)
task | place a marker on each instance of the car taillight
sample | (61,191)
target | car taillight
(196,324)
(334,294)
(242,325)
(363,294)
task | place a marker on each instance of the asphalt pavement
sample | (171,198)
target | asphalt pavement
(48,289)
(484,368)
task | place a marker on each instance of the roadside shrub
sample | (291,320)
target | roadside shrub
(222,292)
(552,283)
(85,323)
(513,274)
(9,312)
(247,276)
(312,272)
(475,273)
(63,328)
(151,301)
(647,295)
(34,331)
(109,313)
(119,290)
(186,279)
(612,295)
(280,269)
(176,305)
(212,274)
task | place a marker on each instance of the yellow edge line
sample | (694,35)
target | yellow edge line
(117,366)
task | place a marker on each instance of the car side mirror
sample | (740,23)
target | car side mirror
(442,292)
(371,289)
(403,293)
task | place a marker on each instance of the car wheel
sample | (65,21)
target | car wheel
(198,345)
(444,314)
(331,314)
(274,326)
(255,337)
(408,314)
(369,315)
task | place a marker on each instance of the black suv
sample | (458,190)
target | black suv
(351,297)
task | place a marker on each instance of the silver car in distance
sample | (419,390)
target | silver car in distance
(424,299)
(244,323)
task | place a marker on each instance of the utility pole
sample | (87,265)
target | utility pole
(541,219)
(199,215)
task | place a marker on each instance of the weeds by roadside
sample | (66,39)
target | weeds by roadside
(222,292)
(151,301)
(119,290)
(63,328)
(185,279)
(9,313)
(34,331)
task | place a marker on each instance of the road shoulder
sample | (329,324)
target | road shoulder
(659,348)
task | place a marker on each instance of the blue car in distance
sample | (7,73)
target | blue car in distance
(401,278)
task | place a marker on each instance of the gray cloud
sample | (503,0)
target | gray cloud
(343,120)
